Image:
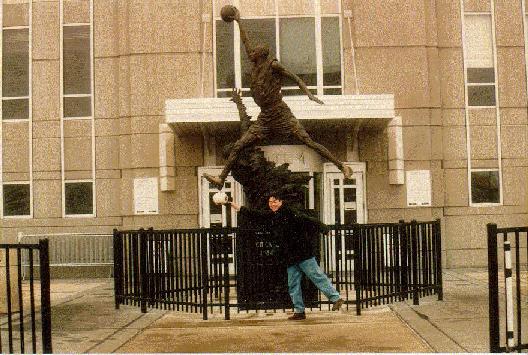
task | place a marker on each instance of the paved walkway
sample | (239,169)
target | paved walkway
(85,321)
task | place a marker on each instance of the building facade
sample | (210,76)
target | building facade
(112,110)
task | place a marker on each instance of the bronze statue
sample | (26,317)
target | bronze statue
(275,116)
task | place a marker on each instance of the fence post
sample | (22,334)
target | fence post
(143,269)
(205,274)
(358,262)
(438,256)
(414,252)
(45,308)
(404,258)
(339,255)
(493,280)
(225,247)
(118,268)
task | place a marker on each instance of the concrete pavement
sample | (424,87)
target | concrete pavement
(85,321)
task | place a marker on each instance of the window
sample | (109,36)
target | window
(485,186)
(17,199)
(307,45)
(77,71)
(78,198)
(15,66)
(480,72)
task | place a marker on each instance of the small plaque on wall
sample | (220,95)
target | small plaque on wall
(146,196)
(418,188)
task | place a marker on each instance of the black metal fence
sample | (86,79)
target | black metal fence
(20,299)
(213,270)
(508,312)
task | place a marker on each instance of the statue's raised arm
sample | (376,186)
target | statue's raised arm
(230,13)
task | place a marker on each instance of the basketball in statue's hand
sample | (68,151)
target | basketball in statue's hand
(228,13)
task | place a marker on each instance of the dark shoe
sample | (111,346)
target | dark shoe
(297,316)
(215,180)
(337,304)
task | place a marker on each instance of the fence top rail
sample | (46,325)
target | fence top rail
(19,246)
(227,230)
(65,234)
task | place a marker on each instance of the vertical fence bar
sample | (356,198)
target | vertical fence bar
(358,266)
(414,254)
(205,277)
(118,266)
(338,252)
(8,297)
(32,304)
(509,293)
(518,287)
(142,277)
(45,307)
(438,259)
(493,280)
(20,300)
(225,256)
(404,260)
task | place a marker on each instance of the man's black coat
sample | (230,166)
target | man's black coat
(294,230)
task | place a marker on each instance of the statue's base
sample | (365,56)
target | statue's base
(299,157)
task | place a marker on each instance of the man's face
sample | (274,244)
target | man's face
(274,204)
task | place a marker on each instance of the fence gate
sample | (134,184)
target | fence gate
(508,289)
(22,329)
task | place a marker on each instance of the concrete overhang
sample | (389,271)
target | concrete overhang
(217,115)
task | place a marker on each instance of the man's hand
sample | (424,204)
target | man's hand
(314,98)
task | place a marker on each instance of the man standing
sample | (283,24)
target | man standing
(290,226)
(275,116)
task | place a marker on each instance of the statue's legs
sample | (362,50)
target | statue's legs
(300,133)
(255,133)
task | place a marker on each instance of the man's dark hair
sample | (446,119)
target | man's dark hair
(279,195)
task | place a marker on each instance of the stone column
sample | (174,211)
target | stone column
(396,163)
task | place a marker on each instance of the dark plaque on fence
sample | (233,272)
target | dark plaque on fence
(262,278)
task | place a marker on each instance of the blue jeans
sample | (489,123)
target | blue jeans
(316,275)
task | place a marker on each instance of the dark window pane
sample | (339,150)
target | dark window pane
(77,59)
(330,37)
(79,199)
(15,109)
(260,32)
(332,91)
(297,49)
(485,187)
(350,195)
(77,106)
(15,63)
(481,95)
(16,200)
(337,206)
(225,67)
(480,75)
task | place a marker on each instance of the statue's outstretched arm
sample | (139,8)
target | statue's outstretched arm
(236,97)
(278,67)
(243,35)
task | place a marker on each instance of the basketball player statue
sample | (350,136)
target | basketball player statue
(275,116)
